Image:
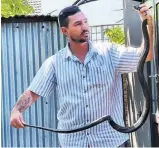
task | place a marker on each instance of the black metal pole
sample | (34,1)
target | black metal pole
(157,54)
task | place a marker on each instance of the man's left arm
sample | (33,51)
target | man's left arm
(145,14)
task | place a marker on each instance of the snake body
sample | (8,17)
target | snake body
(146,101)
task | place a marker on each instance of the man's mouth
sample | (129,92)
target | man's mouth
(85,33)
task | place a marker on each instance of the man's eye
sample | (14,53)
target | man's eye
(77,24)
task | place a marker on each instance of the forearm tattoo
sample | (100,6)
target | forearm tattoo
(23,103)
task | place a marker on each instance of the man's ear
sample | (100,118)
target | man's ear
(64,30)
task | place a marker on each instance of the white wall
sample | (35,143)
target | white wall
(99,13)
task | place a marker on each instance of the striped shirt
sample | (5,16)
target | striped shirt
(88,91)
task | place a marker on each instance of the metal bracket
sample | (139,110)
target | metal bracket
(154,76)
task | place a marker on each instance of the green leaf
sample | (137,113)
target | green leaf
(15,7)
(115,35)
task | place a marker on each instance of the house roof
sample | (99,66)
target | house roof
(29,18)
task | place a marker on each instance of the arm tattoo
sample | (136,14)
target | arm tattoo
(23,103)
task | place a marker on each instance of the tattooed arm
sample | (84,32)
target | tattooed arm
(24,101)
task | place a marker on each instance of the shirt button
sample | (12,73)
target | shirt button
(87,133)
(86,105)
(85,91)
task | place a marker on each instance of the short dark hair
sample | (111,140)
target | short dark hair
(65,13)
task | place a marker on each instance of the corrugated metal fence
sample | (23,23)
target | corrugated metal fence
(26,43)
(25,46)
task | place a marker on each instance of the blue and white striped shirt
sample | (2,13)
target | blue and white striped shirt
(88,91)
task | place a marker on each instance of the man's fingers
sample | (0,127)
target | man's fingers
(16,122)
(14,125)
(21,121)
(143,5)
(144,9)
(144,13)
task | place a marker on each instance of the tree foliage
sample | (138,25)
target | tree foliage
(15,7)
(115,35)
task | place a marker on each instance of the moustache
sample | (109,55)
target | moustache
(85,31)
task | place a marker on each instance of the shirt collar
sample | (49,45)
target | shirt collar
(92,50)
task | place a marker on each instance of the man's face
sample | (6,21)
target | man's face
(78,28)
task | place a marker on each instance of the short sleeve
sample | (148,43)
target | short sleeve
(45,80)
(124,59)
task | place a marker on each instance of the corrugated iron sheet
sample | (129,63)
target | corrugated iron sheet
(24,48)
(26,42)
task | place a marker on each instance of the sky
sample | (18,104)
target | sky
(100,12)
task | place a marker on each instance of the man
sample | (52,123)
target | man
(88,79)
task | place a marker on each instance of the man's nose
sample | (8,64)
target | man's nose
(85,26)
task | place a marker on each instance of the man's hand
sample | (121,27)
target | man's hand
(157,117)
(144,13)
(16,119)
(24,101)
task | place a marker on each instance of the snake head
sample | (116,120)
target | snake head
(137,7)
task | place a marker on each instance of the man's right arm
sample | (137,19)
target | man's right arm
(24,101)
(42,84)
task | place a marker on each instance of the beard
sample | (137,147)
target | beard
(80,40)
